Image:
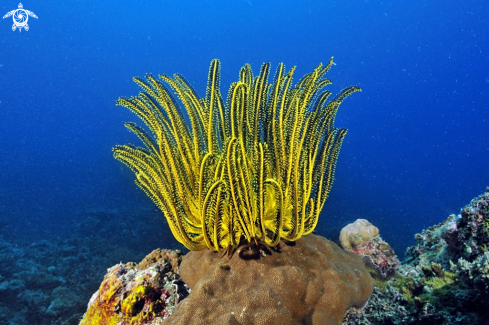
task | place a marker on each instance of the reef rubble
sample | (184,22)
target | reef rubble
(49,278)
(138,293)
(444,278)
(311,280)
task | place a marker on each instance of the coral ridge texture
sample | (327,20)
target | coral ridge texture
(311,281)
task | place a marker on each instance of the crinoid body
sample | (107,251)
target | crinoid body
(256,167)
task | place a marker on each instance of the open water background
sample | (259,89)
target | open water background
(418,142)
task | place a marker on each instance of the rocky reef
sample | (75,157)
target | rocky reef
(444,278)
(311,280)
(138,293)
(50,280)
(362,238)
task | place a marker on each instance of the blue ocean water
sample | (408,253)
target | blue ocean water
(418,142)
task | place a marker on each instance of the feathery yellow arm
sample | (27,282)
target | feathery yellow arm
(259,166)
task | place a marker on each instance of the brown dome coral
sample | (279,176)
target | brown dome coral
(312,281)
(256,168)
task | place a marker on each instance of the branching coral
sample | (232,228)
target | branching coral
(256,167)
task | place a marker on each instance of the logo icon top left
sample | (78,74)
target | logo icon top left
(20,17)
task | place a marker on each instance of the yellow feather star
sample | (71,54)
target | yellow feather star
(257,167)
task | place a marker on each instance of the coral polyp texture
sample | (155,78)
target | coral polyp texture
(310,281)
(357,232)
(256,167)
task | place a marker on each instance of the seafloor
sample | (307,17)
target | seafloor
(50,281)
(443,280)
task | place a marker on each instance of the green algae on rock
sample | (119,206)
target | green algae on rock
(444,278)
